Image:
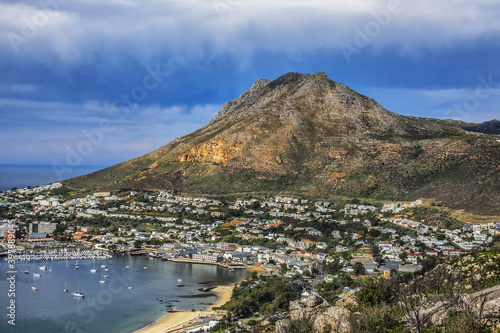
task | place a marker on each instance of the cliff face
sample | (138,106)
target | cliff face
(306,134)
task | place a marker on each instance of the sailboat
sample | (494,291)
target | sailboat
(65,287)
(33,287)
(76,264)
(78,293)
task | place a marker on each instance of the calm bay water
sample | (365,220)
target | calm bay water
(107,307)
(21,176)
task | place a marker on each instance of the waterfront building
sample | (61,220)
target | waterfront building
(42,227)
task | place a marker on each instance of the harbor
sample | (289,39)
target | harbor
(137,292)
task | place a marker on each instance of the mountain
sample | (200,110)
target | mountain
(305,134)
(487,127)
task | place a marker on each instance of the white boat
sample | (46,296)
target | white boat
(105,276)
(93,270)
(33,287)
(43,268)
(145,267)
(36,274)
(130,287)
(102,281)
(126,266)
(78,293)
(103,266)
(65,288)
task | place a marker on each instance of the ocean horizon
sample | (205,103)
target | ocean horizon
(24,175)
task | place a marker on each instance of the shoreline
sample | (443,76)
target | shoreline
(176,321)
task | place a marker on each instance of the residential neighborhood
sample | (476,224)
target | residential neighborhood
(281,235)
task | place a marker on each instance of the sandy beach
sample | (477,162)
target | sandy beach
(176,321)
(256,269)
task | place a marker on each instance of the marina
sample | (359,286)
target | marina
(60,254)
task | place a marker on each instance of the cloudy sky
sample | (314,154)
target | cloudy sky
(98,82)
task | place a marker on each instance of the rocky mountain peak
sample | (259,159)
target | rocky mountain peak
(259,83)
(284,87)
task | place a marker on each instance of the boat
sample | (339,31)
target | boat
(105,276)
(126,266)
(93,270)
(33,287)
(103,266)
(43,267)
(145,267)
(130,287)
(65,288)
(78,293)
(26,272)
(36,274)
(179,283)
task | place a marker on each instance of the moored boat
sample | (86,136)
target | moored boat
(78,293)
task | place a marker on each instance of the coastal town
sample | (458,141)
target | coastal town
(313,243)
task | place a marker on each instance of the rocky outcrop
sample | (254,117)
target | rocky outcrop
(484,304)
(320,312)
(214,151)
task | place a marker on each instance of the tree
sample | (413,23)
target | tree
(374,293)
(359,269)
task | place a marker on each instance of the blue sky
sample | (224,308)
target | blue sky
(99,82)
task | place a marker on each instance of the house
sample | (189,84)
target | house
(414,258)
(431,253)
(455,252)
(480,237)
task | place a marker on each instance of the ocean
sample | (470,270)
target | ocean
(20,176)
(107,307)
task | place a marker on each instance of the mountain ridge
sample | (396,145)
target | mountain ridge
(309,135)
